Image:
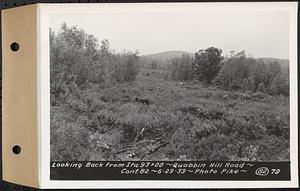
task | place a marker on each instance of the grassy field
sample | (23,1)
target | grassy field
(157,119)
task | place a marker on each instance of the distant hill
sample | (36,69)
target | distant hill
(281,61)
(165,56)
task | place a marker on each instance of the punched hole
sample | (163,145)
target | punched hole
(16,149)
(14,46)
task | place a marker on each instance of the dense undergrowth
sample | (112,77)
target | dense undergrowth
(177,122)
(113,106)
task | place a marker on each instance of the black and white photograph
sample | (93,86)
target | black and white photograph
(150,95)
(169,85)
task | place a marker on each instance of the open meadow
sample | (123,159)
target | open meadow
(154,118)
(174,105)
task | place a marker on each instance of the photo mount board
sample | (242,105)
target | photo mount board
(24,80)
(19,96)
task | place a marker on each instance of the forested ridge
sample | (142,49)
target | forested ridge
(108,105)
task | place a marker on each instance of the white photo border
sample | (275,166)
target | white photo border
(44,14)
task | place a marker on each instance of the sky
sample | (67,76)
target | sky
(259,33)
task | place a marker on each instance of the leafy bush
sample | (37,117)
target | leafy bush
(280,85)
(86,63)
(276,122)
(242,72)
(273,148)
(207,64)
(261,87)
(69,141)
(213,147)
(205,111)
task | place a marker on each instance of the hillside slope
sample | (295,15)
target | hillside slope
(165,56)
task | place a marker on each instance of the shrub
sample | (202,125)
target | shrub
(202,129)
(280,85)
(238,128)
(276,122)
(235,84)
(261,87)
(181,142)
(69,141)
(273,148)
(213,147)
(205,111)
(86,63)
(248,84)
(103,146)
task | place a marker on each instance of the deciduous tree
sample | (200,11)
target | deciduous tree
(207,64)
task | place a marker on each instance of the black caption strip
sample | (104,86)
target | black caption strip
(169,170)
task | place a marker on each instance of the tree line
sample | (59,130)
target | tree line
(79,60)
(236,72)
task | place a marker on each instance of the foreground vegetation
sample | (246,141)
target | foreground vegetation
(105,107)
